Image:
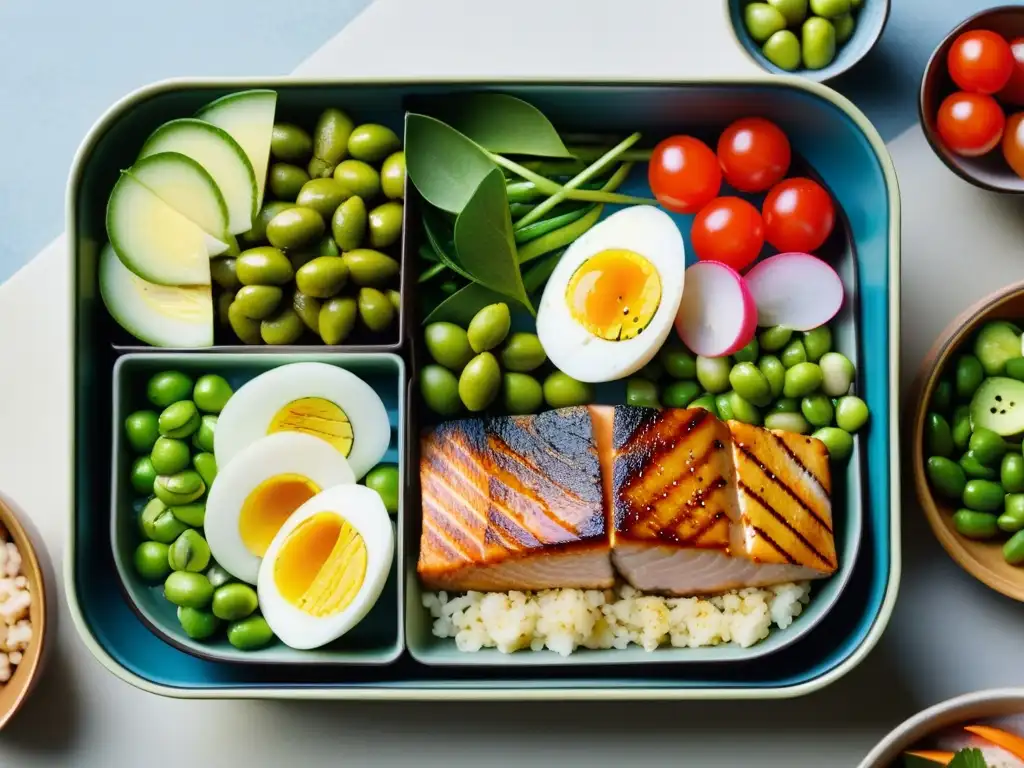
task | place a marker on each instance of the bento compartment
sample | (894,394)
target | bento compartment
(263,480)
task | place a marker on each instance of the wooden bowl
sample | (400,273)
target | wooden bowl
(983,560)
(15,692)
(989,171)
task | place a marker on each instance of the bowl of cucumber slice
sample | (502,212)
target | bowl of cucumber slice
(966,440)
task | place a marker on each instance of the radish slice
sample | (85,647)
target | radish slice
(796,290)
(717,315)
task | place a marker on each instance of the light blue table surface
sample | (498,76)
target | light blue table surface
(63,62)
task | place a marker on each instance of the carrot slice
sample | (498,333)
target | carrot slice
(1011,742)
(942,758)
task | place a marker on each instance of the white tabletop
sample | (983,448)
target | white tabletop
(948,635)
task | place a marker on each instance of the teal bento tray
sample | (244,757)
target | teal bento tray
(827,132)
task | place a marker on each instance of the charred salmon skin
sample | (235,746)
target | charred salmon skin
(513,503)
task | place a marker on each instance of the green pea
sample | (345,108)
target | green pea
(938,439)
(193,515)
(143,475)
(141,430)
(794,353)
(181,488)
(521,393)
(258,234)
(946,477)
(969,375)
(392,176)
(489,327)
(385,224)
(348,225)
(358,179)
(440,390)
(168,387)
(169,456)
(290,143)
(522,353)
(189,552)
(197,624)
(837,374)
(384,479)
(783,50)
(206,465)
(337,319)
(845,26)
(830,8)
(743,410)
(987,446)
(817,409)
(838,442)
(975,525)
(818,42)
(1012,519)
(1011,473)
(942,397)
(707,402)
(285,180)
(775,372)
(679,394)
(851,413)
(642,392)
(802,379)
(188,590)
(817,342)
(323,196)
(762,21)
(232,602)
(787,422)
(795,11)
(480,382)
(283,327)
(749,353)
(330,141)
(562,391)
(961,431)
(713,373)
(322,277)
(151,561)
(678,362)
(775,338)
(974,468)
(250,634)
(375,309)
(371,143)
(983,495)
(218,576)
(370,268)
(1013,549)
(211,393)
(264,265)
(448,344)
(786,405)
(295,228)
(179,419)
(750,384)
(723,406)
(256,302)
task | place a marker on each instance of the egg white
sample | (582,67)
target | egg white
(250,411)
(362,508)
(647,231)
(277,454)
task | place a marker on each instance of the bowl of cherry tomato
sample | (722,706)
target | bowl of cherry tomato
(972,99)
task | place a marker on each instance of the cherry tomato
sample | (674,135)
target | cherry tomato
(970,124)
(729,230)
(684,174)
(980,61)
(1013,143)
(798,215)
(1013,91)
(754,154)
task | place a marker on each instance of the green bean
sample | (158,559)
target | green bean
(431,272)
(532,232)
(553,168)
(518,210)
(561,237)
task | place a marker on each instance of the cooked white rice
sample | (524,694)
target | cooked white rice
(563,620)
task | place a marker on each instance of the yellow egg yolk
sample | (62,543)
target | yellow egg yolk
(614,294)
(322,565)
(318,417)
(268,506)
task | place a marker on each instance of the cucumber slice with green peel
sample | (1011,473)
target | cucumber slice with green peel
(156,242)
(220,156)
(184,185)
(999,405)
(249,117)
(163,316)
(997,342)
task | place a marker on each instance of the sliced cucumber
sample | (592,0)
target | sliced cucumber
(221,157)
(160,315)
(156,242)
(997,342)
(249,117)
(184,185)
(999,405)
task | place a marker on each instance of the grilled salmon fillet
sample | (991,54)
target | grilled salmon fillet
(513,503)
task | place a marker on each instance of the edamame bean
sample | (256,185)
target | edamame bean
(348,225)
(190,514)
(713,373)
(395,298)
(938,439)
(562,391)
(969,375)
(375,309)
(775,338)
(1011,473)
(987,446)
(743,410)
(480,382)
(975,525)
(371,143)
(783,50)
(983,495)
(946,477)
(141,429)
(211,393)
(723,406)
(330,142)
(197,624)
(786,405)
(258,233)
(256,302)
(1013,549)
(795,11)
(290,143)
(818,43)
(489,327)
(642,392)
(392,176)
(370,268)
(232,602)
(837,373)
(385,224)
(323,196)
(294,228)
(845,26)
(1012,519)
(750,384)
(188,590)
(440,390)
(203,438)
(680,394)
(322,277)
(775,372)
(838,442)
(358,179)
(707,402)
(286,180)
(817,342)
(830,8)
(975,469)
(181,488)
(817,409)
(678,362)
(522,353)
(653,371)
(283,327)
(337,319)
(265,265)
(961,431)
(247,329)
(942,397)
(851,413)
(802,379)
(521,393)
(762,21)
(787,422)
(794,353)
(250,634)
(169,456)
(151,561)
(749,353)
(143,475)
(168,387)
(206,465)
(189,552)
(384,480)
(178,419)
(157,523)
(448,345)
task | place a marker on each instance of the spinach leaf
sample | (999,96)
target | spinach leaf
(968,758)
(461,307)
(483,240)
(503,124)
(440,237)
(445,166)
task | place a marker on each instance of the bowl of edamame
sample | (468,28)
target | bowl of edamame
(818,39)
(966,438)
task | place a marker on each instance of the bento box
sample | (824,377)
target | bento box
(396,651)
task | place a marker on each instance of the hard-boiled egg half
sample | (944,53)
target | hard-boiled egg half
(317,399)
(326,566)
(257,492)
(611,301)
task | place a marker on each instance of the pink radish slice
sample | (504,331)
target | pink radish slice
(717,315)
(796,290)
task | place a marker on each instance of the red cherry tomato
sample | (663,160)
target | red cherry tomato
(970,124)
(684,174)
(729,230)
(980,61)
(754,154)
(1013,91)
(798,215)
(1013,143)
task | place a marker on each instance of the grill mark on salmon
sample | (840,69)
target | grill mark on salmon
(785,523)
(799,462)
(773,478)
(763,535)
